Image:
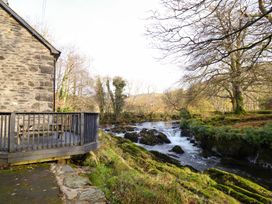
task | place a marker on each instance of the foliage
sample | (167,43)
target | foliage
(100,96)
(185,114)
(118,98)
(64,109)
(128,173)
(132,117)
(230,141)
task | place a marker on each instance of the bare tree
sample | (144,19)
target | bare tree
(72,76)
(223,42)
(175,99)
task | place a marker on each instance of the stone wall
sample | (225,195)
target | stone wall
(26,69)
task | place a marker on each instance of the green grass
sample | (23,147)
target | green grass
(252,118)
(128,173)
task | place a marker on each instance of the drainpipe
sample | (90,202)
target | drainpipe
(54,86)
(6,2)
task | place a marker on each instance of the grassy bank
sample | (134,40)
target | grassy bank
(234,136)
(128,173)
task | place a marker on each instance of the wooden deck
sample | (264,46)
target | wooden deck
(26,137)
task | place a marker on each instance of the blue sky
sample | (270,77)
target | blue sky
(110,32)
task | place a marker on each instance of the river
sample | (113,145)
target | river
(193,155)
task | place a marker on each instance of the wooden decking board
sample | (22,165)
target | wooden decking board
(50,153)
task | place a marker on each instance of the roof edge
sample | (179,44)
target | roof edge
(56,53)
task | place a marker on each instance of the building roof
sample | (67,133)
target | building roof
(37,35)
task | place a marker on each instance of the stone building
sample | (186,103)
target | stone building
(27,66)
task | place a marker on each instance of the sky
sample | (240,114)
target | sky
(110,33)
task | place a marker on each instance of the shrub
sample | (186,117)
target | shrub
(228,140)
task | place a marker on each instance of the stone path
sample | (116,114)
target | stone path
(29,184)
(75,187)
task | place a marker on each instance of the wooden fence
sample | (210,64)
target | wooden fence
(28,132)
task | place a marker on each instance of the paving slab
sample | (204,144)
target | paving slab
(29,184)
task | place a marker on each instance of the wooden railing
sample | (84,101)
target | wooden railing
(23,132)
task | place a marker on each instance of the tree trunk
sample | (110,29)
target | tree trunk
(237,100)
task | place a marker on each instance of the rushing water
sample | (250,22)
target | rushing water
(193,155)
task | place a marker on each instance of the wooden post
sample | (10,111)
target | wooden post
(11,137)
(96,128)
(82,129)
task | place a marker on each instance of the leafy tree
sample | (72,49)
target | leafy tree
(100,96)
(118,97)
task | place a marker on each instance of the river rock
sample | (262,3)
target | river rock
(74,181)
(133,136)
(122,129)
(165,158)
(92,195)
(153,137)
(177,149)
(192,141)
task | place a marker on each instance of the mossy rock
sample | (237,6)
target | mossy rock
(128,173)
(177,149)
(122,129)
(133,136)
(165,158)
(242,189)
(153,137)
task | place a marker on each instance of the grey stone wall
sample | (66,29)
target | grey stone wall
(26,69)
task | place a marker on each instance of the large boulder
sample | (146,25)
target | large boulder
(153,137)
(177,149)
(132,136)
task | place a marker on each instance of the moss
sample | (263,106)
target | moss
(231,142)
(128,173)
(241,185)
(239,196)
(255,196)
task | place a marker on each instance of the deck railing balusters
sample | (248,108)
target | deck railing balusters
(43,123)
(64,129)
(48,128)
(1,131)
(53,129)
(18,142)
(25,132)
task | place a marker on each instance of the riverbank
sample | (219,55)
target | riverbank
(128,173)
(233,136)
(132,117)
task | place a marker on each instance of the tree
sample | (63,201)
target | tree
(118,97)
(100,96)
(212,35)
(72,76)
(176,23)
(175,99)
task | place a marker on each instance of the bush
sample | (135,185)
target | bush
(185,114)
(228,141)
